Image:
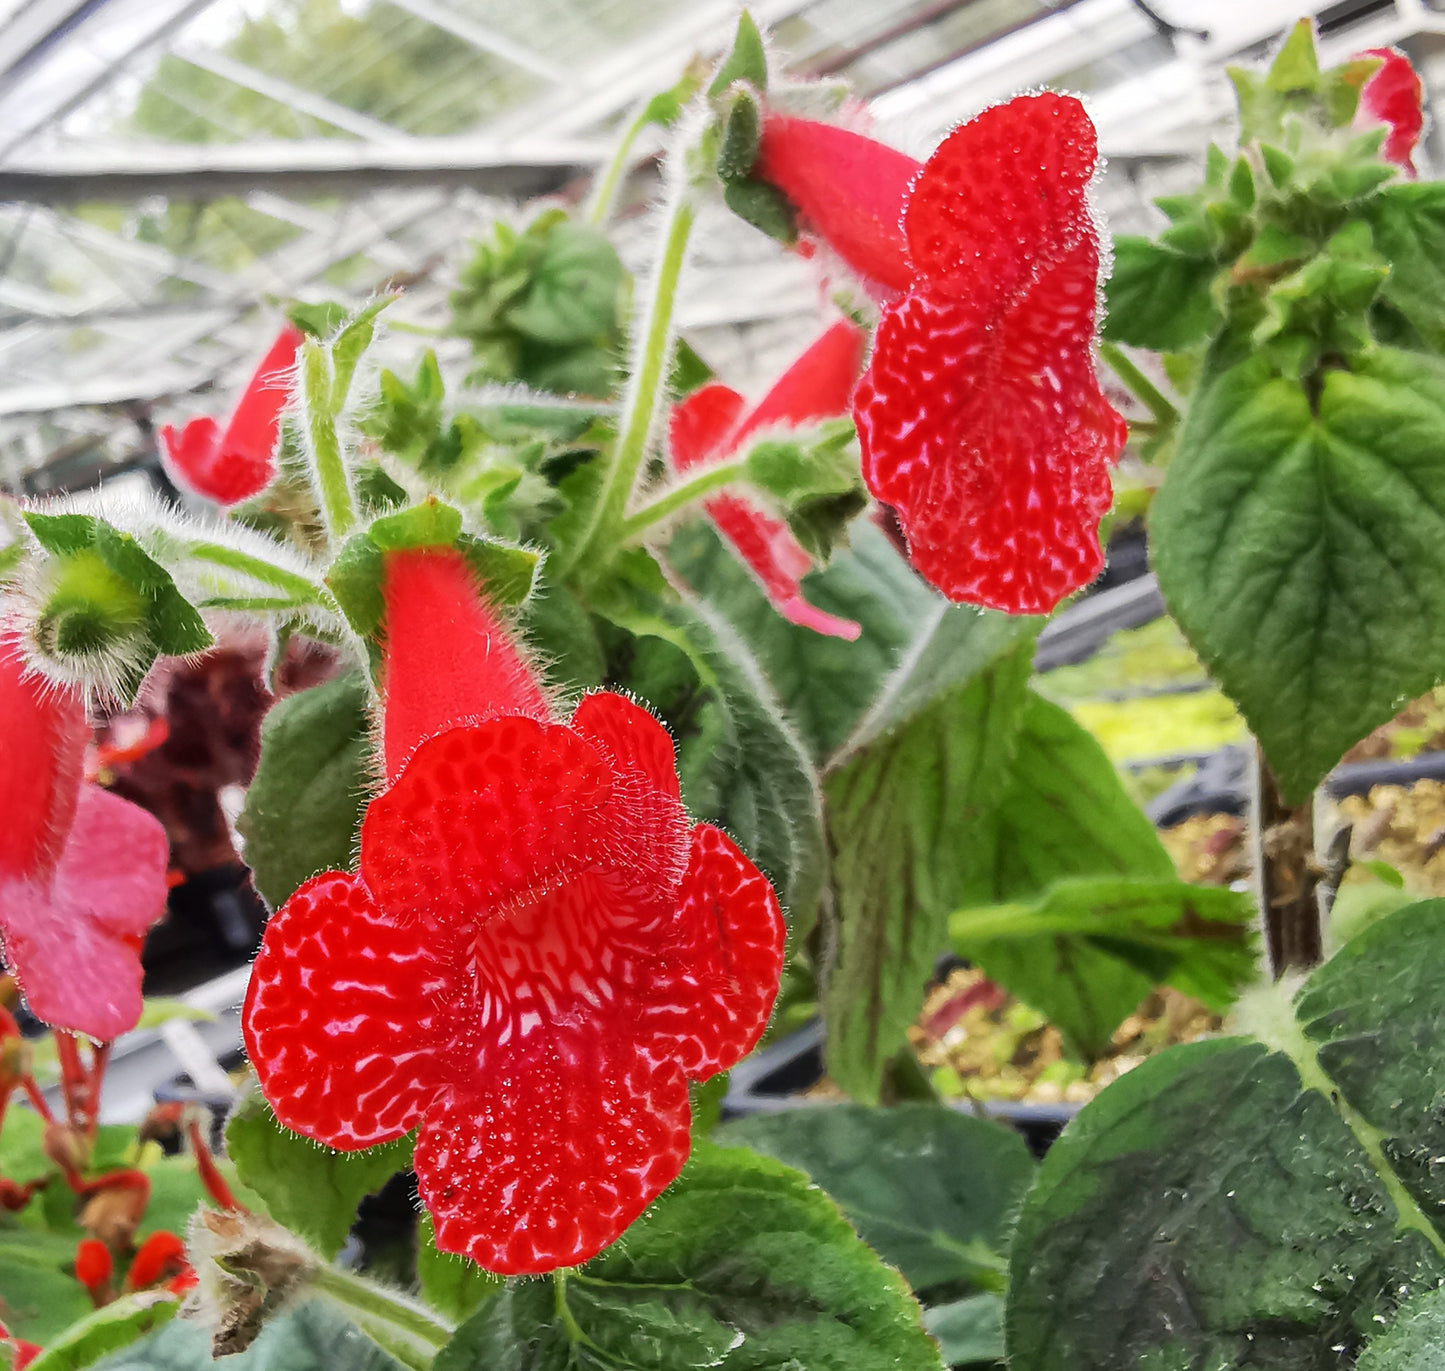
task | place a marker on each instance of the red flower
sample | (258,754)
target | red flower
(82,871)
(708,425)
(535,954)
(24,1352)
(160,1258)
(1394,97)
(236,464)
(980,416)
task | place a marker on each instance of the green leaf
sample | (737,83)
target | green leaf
(312,1336)
(968,1330)
(452,1285)
(1089,950)
(39,1295)
(115,1326)
(303,809)
(870,583)
(763,206)
(932,1190)
(1414,1340)
(740,763)
(1159,298)
(906,812)
(742,128)
(1408,223)
(1252,1203)
(740,1265)
(1300,542)
(349,345)
(306,1187)
(575,291)
(746,61)
(1296,66)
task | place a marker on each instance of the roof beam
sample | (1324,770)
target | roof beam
(485,39)
(515,168)
(27,37)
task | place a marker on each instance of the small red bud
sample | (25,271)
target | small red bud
(162,1256)
(94,1268)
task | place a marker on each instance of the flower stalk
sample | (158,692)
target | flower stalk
(399,1326)
(679,496)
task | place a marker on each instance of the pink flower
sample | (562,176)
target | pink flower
(710,425)
(980,415)
(1394,97)
(82,872)
(240,462)
(536,952)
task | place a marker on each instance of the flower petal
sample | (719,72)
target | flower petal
(344,1014)
(553,1151)
(998,461)
(74,941)
(777,560)
(726,954)
(483,815)
(448,659)
(647,826)
(699,424)
(1003,195)
(817,386)
(42,749)
(1393,96)
(249,442)
(848,189)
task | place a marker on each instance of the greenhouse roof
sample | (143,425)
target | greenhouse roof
(169,169)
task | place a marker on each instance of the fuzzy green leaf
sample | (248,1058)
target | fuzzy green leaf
(305,1186)
(1159,298)
(1408,223)
(1239,1202)
(303,809)
(1300,543)
(739,1266)
(931,1190)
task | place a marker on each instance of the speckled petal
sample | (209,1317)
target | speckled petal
(346,1014)
(990,435)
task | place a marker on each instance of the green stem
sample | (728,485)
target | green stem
(295,585)
(328,470)
(679,497)
(645,391)
(1139,385)
(606,186)
(399,1326)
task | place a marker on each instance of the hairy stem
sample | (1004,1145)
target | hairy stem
(296,586)
(644,393)
(678,497)
(1139,385)
(328,469)
(609,182)
(401,1327)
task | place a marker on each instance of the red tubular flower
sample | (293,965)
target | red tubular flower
(849,190)
(24,1352)
(160,1258)
(980,416)
(535,955)
(94,1268)
(234,464)
(1394,97)
(82,872)
(709,425)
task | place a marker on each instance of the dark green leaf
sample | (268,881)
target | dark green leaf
(306,1187)
(741,1266)
(1088,951)
(742,127)
(1408,222)
(1414,1340)
(303,809)
(906,814)
(931,1189)
(968,1330)
(870,584)
(62,533)
(1300,543)
(763,206)
(310,1337)
(575,292)
(1159,298)
(1252,1203)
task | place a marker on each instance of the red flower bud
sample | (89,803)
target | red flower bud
(1393,96)
(233,465)
(94,1268)
(161,1257)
